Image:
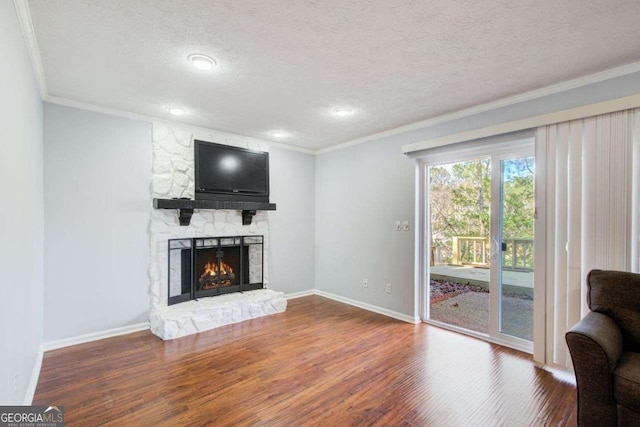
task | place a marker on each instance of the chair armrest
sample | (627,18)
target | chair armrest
(601,331)
(595,344)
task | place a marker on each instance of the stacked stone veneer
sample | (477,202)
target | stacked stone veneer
(173,176)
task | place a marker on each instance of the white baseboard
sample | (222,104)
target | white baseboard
(365,306)
(33,382)
(369,307)
(66,342)
(300,294)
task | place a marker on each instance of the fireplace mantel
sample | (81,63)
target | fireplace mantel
(186,207)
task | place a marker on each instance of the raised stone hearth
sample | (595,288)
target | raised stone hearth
(207,313)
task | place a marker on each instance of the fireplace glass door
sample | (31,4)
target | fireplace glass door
(218,264)
(209,266)
(180,275)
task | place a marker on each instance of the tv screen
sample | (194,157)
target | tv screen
(230,172)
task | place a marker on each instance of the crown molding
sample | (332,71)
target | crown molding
(135,116)
(66,102)
(26,24)
(24,17)
(505,102)
(633,101)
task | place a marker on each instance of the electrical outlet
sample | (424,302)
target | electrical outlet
(397,226)
(388,288)
(405,225)
(365,283)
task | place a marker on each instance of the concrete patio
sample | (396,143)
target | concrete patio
(516,282)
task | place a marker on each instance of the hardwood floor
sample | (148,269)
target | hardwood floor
(319,363)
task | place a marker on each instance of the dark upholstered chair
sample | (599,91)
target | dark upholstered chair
(605,349)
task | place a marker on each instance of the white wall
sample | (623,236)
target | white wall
(98,201)
(360,193)
(332,229)
(291,226)
(361,190)
(97,171)
(21,212)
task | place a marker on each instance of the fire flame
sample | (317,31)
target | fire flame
(215,276)
(211,268)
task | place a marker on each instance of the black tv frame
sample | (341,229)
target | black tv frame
(228,195)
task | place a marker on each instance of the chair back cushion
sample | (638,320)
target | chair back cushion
(617,294)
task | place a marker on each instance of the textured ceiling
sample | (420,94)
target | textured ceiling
(286,64)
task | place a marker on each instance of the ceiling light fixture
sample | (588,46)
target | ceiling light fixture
(202,62)
(278,133)
(176,111)
(342,111)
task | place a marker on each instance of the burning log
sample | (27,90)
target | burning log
(211,282)
(212,276)
(208,282)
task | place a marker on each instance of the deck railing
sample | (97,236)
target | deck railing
(470,250)
(517,254)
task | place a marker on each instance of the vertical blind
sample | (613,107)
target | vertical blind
(587,193)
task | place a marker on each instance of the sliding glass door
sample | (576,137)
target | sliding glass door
(515,228)
(460,201)
(479,244)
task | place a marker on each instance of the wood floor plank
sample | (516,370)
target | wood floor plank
(319,363)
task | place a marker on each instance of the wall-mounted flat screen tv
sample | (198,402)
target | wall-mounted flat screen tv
(223,172)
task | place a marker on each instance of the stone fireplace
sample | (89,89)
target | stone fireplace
(211,304)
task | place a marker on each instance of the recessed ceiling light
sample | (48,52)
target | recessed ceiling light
(342,111)
(278,133)
(176,111)
(202,62)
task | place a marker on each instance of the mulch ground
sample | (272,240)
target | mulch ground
(442,290)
